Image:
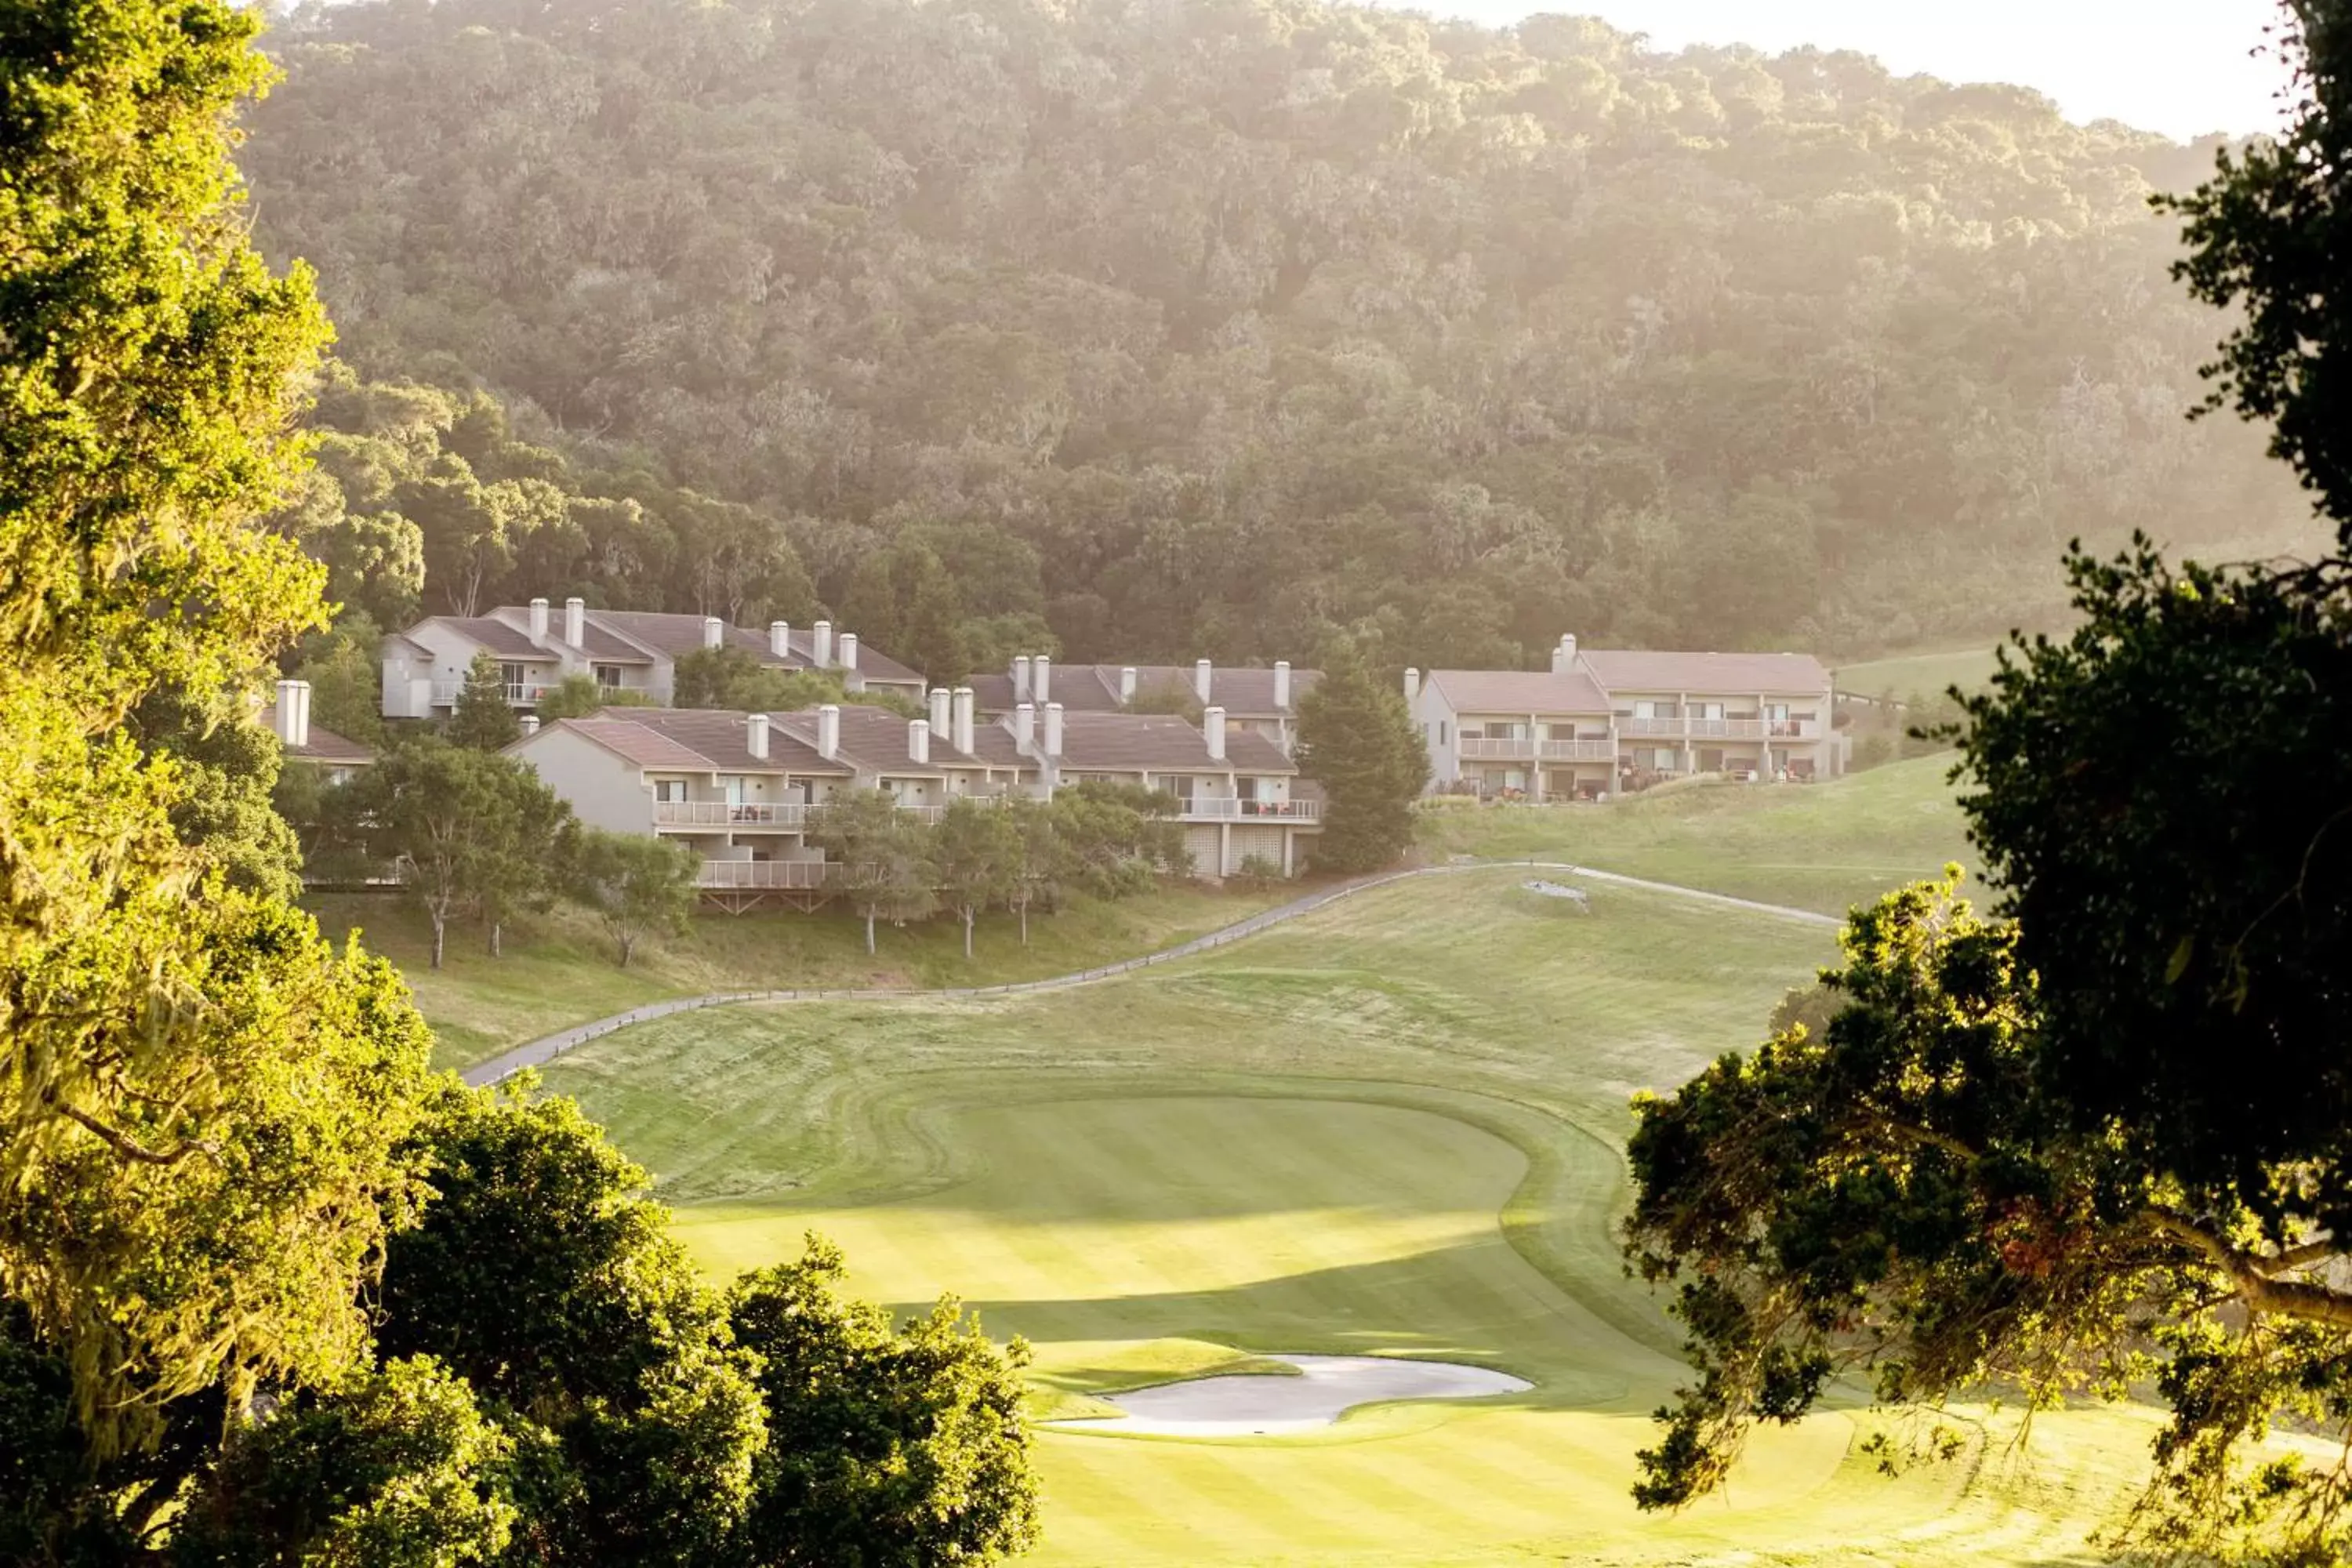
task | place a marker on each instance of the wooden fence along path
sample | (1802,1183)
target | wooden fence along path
(541,1051)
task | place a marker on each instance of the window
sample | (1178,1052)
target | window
(608,676)
(1662,759)
(1707,709)
(669,789)
(1441,731)
(516,678)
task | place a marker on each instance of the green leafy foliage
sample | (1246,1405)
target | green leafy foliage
(638,886)
(228,765)
(541,1277)
(482,719)
(399,1468)
(731,678)
(2099,1144)
(470,832)
(885,1445)
(2266,234)
(884,855)
(976,854)
(198,1094)
(1253,320)
(1358,740)
(1114,839)
(577,696)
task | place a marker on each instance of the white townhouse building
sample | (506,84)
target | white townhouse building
(1260,701)
(739,787)
(1604,720)
(634,651)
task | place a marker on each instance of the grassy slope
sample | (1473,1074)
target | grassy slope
(558,969)
(1820,847)
(1391,1125)
(1918,675)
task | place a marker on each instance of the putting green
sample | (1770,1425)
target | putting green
(1392,1127)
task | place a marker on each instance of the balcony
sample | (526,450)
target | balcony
(1225,808)
(1650,729)
(519,694)
(1578,751)
(754,874)
(1497,749)
(724,814)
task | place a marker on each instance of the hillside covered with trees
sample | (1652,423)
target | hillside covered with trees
(1207,328)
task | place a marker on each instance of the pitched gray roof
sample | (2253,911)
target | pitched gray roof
(1159,743)
(324,745)
(505,641)
(1731,674)
(1242,690)
(1519,691)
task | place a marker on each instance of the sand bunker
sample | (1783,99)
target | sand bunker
(1252,1405)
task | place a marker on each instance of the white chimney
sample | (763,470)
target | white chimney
(1201,674)
(1040,678)
(755,734)
(539,620)
(292,719)
(1567,651)
(821,645)
(1281,683)
(1126,684)
(1021,677)
(918,742)
(938,698)
(714,631)
(828,731)
(576,621)
(531,724)
(780,639)
(1213,728)
(1412,683)
(1559,660)
(1053,729)
(963,706)
(849,650)
(1024,727)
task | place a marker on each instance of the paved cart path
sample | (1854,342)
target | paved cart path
(541,1051)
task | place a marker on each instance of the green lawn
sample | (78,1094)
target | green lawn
(1392,1125)
(558,969)
(1822,846)
(1927,675)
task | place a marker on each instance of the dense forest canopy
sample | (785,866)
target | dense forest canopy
(1233,323)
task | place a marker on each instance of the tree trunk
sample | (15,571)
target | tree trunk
(968,912)
(628,949)
(440,934)
(498,930)
(1024,922)
(869,931)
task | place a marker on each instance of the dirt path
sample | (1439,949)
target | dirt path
(541,1051)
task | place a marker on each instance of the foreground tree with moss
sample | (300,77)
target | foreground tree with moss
(269,1293)
(2103,1142)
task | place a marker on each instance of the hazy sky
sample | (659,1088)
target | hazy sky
(2175,65)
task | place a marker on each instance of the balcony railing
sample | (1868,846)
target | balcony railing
(1225,808)
(763,874)
(445,692)
(1580,750)
(1497,749)
(1719,728)
(726,813)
